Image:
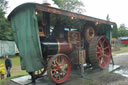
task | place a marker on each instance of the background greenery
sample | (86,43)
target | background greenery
(5,27)
(121,31)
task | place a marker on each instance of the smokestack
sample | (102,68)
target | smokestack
(46,3)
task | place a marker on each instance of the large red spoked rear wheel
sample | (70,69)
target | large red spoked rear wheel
(100,52)
(59,68)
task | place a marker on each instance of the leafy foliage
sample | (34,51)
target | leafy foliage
(70,5)
(3,4)
(115,32)
(5,28)
(123,32)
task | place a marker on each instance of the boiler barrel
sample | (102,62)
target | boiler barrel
(56,46)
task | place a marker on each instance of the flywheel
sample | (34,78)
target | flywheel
(89,33)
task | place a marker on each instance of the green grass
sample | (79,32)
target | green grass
(15,71)
(15,61)
(123,50)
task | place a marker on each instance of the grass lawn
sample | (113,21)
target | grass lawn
(122,50)
(15,71)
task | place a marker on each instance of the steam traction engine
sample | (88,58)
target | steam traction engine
(61,51)
(66,39)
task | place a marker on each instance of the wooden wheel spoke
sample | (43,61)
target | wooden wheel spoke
(99,57)
(56,61)
(101,60)
(60,71)
(103,42)
(106,48)
(98,47)
(103,63)
(54,66)
(58,76)
(98,52)
(64,72)
(105,55)
(63,62)
(100,43)
(59,59)
(104,59)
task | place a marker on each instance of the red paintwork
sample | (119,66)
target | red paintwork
(124,41)
(103,53)
(64,47)
(64,78)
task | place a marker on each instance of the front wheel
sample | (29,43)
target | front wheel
(59,68)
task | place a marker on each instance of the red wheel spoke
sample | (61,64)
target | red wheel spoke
(56,61)
(98,57)
(103,63)
(105,55)
(100,43)
(97,52)
(54,66)
(98,47)
(58,76)
(63,61)
(61,69)
(64,72)
(106,48)
(103,42)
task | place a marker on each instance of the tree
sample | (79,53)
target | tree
(3,4)
(5,28)
(70,5)
(115,32)
(123,32)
